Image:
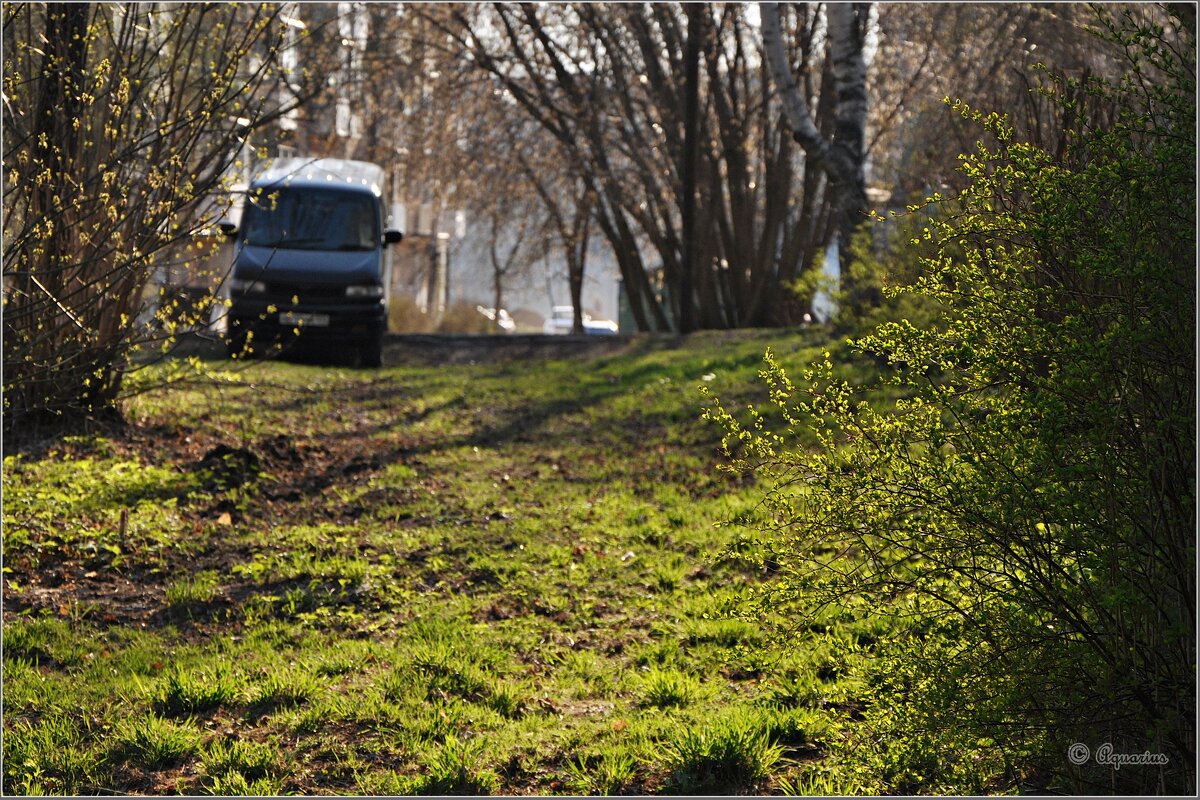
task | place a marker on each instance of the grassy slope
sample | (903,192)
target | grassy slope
(494,578)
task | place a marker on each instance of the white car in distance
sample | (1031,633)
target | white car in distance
(503,320)
(562,319)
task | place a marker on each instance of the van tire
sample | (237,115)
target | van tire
(235,340)
(371,352)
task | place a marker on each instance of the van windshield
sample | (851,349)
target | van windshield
(311,219)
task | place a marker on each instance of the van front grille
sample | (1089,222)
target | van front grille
(306,292)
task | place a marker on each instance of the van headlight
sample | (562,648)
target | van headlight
(241,286)
(364,291)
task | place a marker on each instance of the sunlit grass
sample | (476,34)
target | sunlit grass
(496,578)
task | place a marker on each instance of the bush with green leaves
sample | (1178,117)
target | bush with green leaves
(1026,512)
(118,149)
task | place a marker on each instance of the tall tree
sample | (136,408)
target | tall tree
(843,155)
(689,166)
(568,204)
(663,111)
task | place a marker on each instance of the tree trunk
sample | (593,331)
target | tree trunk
(688,167)
(577,260)
(844,156)
(795,106)
(847,27)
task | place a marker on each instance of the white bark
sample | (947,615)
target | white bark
(850,84)
(794,103)
(843,157)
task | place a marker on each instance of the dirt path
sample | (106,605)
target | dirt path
(432,349)
(413,348)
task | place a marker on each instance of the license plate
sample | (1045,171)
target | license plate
(298,320)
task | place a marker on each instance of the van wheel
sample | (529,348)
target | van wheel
(371,352)
(235,340)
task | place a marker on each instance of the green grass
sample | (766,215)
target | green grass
(183,694)
(500,578)
(668,688)
(54,755)
(455,767)
(234,767)
(608,774)
(730,756)
(154,742)
(189,593)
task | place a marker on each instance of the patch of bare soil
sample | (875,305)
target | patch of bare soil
(274,480)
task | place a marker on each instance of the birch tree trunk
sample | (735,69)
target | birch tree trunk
(843,157)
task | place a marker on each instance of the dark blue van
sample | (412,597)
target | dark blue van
(310,259)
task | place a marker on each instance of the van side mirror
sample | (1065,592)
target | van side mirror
(227,228)
(392,237)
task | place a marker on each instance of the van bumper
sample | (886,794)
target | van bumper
(332,322)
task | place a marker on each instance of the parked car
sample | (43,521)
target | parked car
(562,321)
(503,320)
(310,257)
(599,327)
